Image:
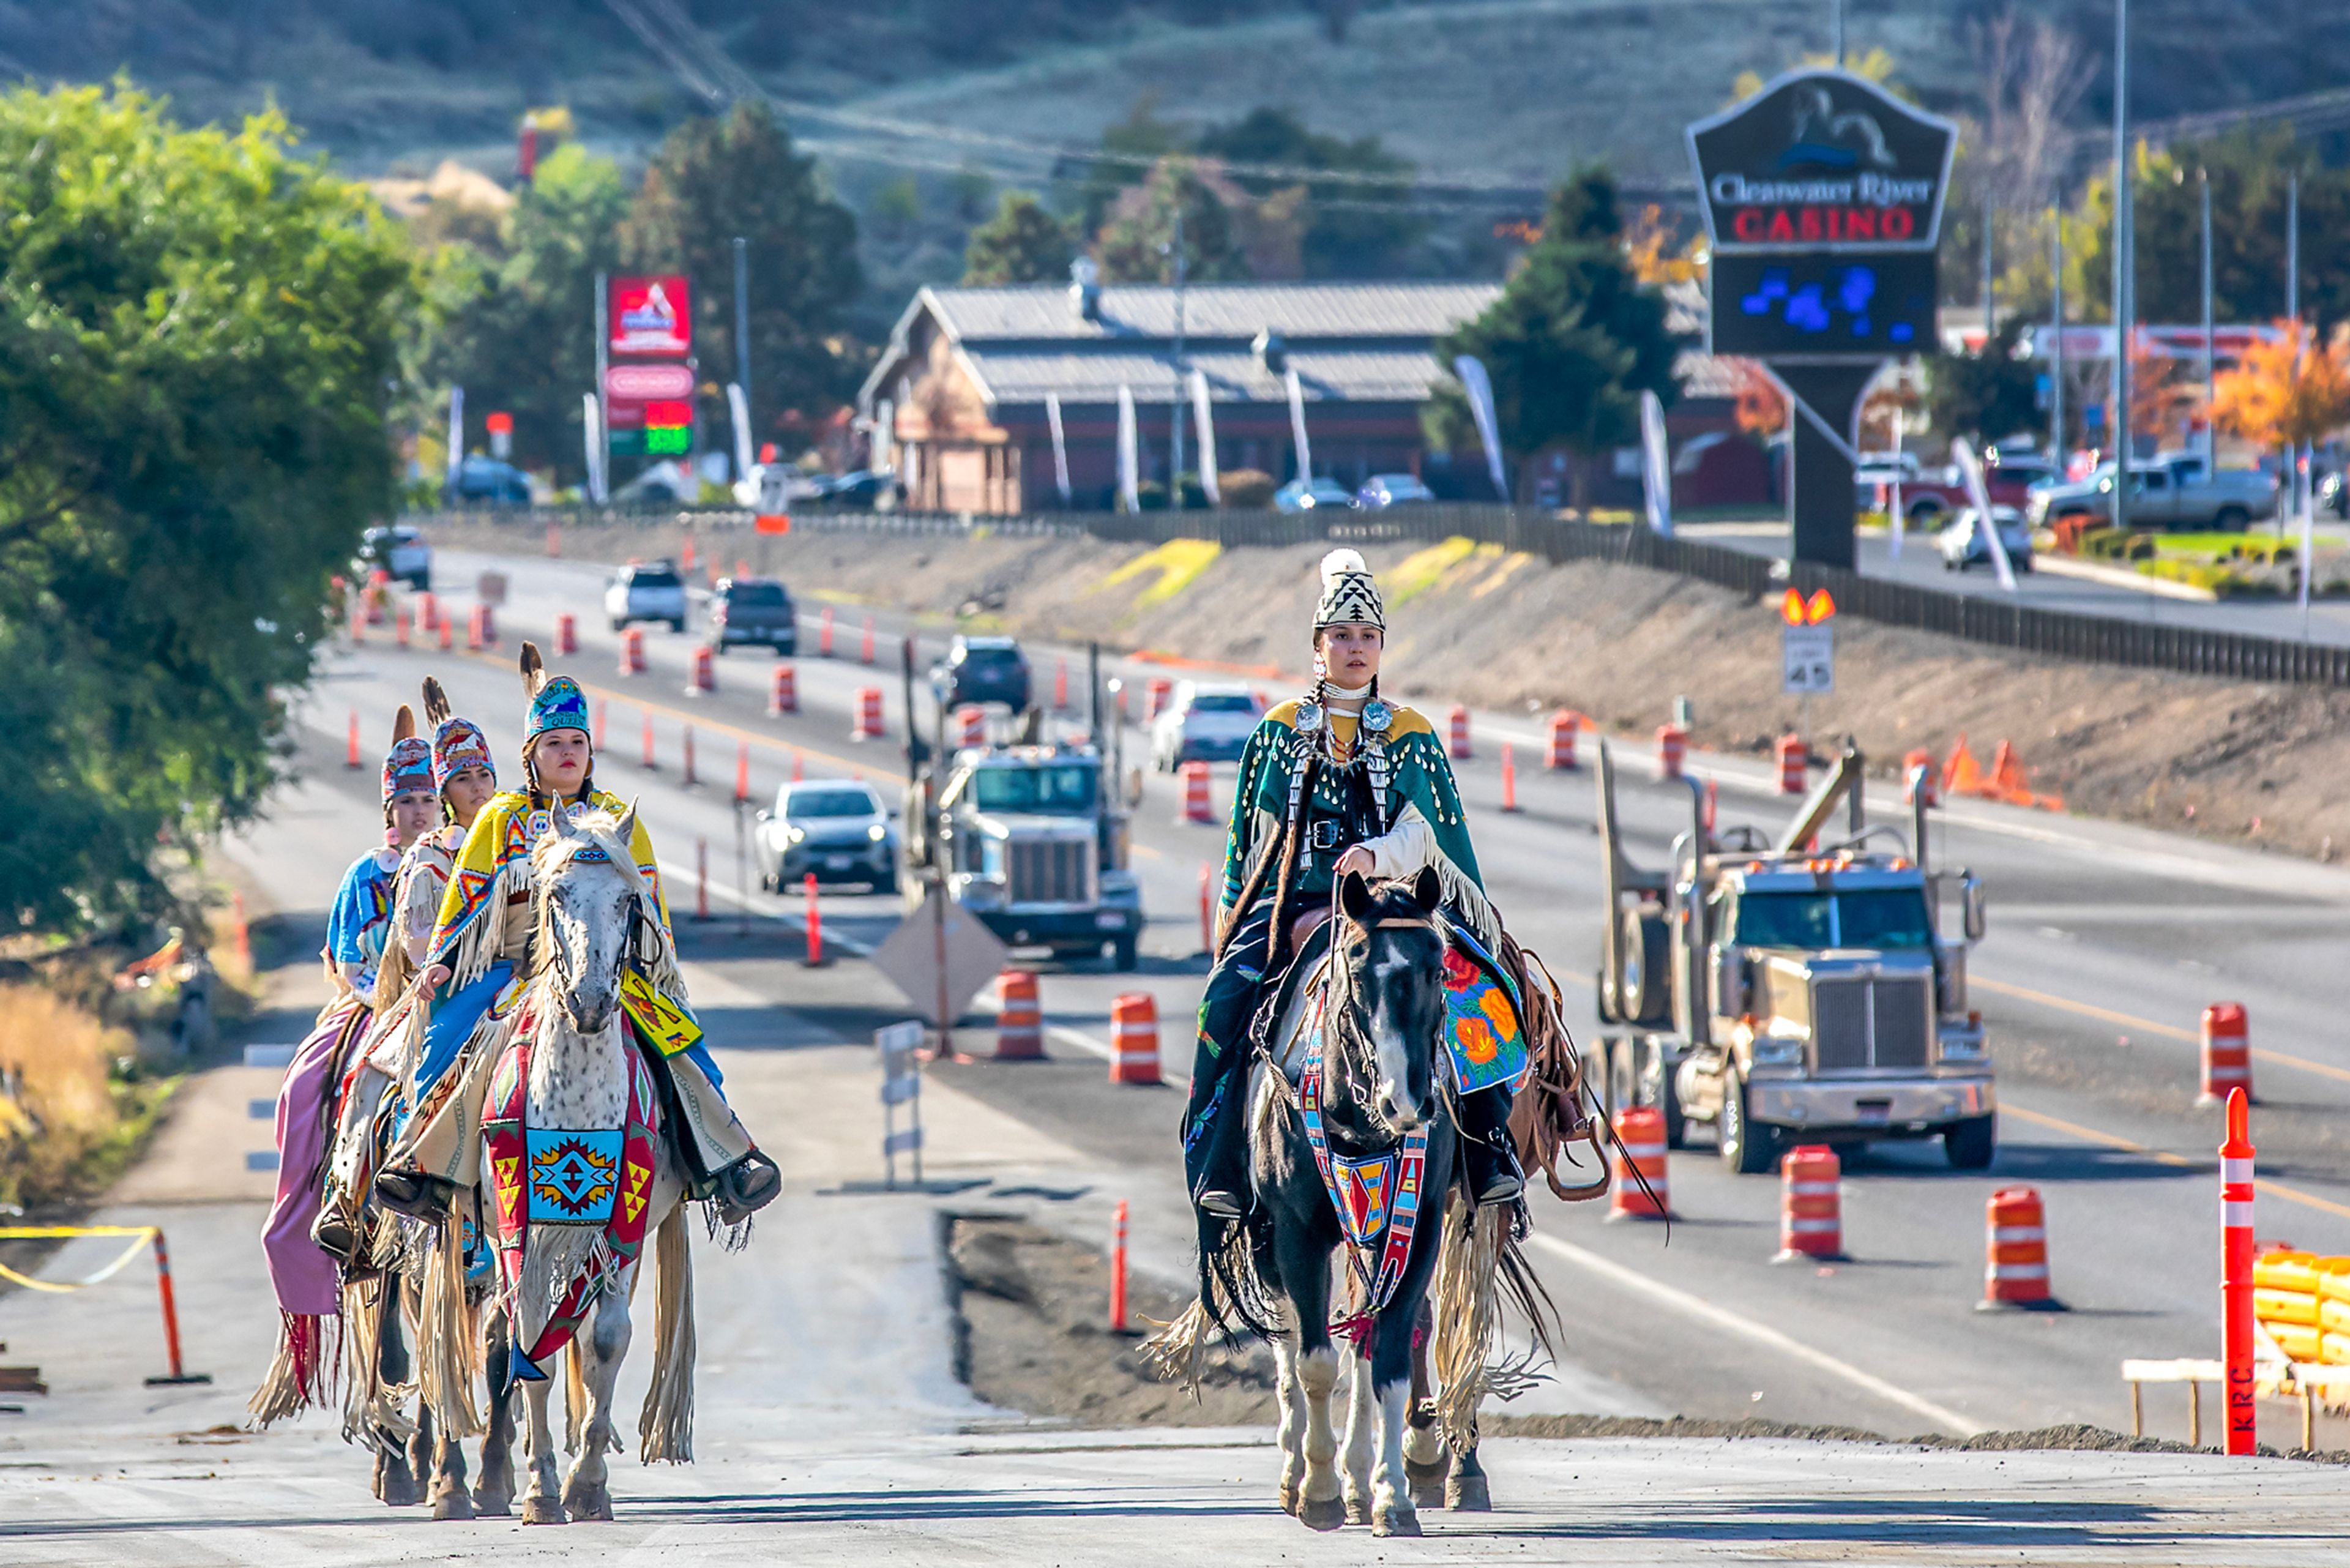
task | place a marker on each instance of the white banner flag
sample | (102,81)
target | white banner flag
(1129,483)
(456,436)
(1060,444)
(591,431)
(1971,466)
(1657,467)
(1201,406)
(1480,387)
(740,407)
(1298,425)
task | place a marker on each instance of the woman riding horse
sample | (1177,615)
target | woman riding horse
(479,953)
(1352,783)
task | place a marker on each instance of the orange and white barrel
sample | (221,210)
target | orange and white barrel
(1811,1203)
(400,626)
(783,696)
(1639,1145)
(703,680)
(970,725)
(2227,1051)
(447,633)
(480,629)
(1134,1039)
(1019,1018)
(2015,1267)
(1672,747)
(865,647)
(428,611)
(632,651)
(1457,744)
(567,631)
(1795,763)
(1157,692)
(1196,805)
(869,714)
(1562,727)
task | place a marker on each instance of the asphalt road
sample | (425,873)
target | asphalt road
(2105,944)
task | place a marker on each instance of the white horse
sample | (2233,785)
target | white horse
(596,916)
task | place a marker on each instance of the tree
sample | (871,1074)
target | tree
(1353,227)
(1137,245)
(2270,401)
(1572,343)
(716,179)
(1987,395)
(197,330)
(1022,244)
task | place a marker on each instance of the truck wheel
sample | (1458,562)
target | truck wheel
(1746,1148)
(1623,1080)
(1122,957)
(1669,1102)
(1647,990)
(1970,1144)
(1603,986)
(2231,519)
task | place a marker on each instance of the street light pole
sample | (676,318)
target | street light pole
(2057,346)
(742,336)
(1835,29)
(2211,429)
(1175,432)
(2117,419)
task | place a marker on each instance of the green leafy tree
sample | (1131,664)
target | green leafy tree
(197,332)
(1022,244)
(1989,396)
(1344,236)
(716,179)
(1572,342)
(1137,246)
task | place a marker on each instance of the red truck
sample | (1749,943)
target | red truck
(1931,495)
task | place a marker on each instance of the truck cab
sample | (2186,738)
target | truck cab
(1795,990)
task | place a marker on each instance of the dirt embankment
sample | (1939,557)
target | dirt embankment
(2231,760)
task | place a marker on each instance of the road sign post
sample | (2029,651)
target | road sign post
(901,1045)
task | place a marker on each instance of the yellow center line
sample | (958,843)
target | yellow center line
(2111,1140)
(2281,1058)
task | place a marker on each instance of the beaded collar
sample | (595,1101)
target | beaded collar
(1314,736)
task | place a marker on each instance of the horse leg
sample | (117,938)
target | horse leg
(1388,1381)
(399,1489)
(540,1505)
(1424,1461)
(1303,1262)
(494,1493)
(1357,1370)
(587,1495)
(1293,1421)
(1466,1492)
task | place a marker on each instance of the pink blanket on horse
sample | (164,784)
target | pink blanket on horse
(305,1277)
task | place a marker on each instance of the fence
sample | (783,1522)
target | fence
(1981,619)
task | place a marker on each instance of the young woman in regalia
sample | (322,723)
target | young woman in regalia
(478,958)
(1340,780)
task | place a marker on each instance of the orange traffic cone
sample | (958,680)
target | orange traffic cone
(1961,774)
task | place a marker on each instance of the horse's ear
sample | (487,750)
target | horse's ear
(625,830)
(534,669)
(403,724)
(1428,888)
(559,823)
(1355,898)
(436,703)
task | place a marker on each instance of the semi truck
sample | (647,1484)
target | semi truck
(1795,989)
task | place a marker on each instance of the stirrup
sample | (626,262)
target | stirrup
(748,1186)
(413,1193)
(1220,1202)
(1505,1186)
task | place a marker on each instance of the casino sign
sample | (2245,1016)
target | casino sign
(1822,161)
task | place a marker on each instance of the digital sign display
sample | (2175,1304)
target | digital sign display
(1809,303)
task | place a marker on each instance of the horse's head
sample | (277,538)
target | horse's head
(1388,953)
(590,899)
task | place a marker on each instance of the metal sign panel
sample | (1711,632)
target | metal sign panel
(651,315)
(909,959)
(1822,160)
(645,383)
(1815,304)
(1807,660)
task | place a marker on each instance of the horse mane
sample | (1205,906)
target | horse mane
(555,852)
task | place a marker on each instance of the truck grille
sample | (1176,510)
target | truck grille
(1051,871)
(1869,1022)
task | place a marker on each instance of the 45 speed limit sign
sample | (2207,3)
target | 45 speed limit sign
(1807,660)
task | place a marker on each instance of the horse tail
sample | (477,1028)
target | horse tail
(449,1345)
(1480,1269)
(575,1395)
(666,1423)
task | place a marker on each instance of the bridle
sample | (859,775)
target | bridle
(1342,1007)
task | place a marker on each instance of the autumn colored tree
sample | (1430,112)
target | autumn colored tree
(2270,401)
(1762,407)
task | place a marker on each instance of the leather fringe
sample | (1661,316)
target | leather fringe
(665,1425)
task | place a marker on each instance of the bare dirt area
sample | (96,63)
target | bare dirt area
(1032,1334)
(2231,760)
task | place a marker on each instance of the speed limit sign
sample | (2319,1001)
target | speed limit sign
(1807,660)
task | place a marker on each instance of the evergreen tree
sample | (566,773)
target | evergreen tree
(1138,247)
(1986,397)
(1022,244)
(1572,342)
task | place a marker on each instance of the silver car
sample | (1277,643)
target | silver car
(1963,543)
(835,830)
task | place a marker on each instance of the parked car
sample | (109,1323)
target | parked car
(861,488)
(1305,495)
(1963,543)
(1928,494)
(2334,495)
(835,830)
(646,590)
(2173,492)
(753,612)
(401,552)
(1392,489)
(485,479)
(775,487)
(1204,721)
(982,670)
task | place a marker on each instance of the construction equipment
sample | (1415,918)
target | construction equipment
(1784,988)
(1027,833)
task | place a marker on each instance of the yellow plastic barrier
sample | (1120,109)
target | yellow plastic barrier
(2274,1307)
(2333,1279)
(2295,1272)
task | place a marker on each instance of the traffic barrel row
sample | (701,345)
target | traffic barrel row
(970,725)
(1019,1018)
(1562,727)
(783,696)
(867,726)
(1134,1038)
(1196,805)
(1795,763)
(632,651)
(2227,1051)
(1811,1203)
(1672,748)
(1640,1146)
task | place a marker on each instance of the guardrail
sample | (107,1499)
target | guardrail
(1979,618)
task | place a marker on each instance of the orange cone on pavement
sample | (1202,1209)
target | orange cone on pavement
(2015,1268)
(2227,1051)
(1509,779)
(1638,1146)
(1961,774)
(352,750)
(1134,1039)
(1019,1019)
(1811,1203)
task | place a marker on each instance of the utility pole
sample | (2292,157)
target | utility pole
(1835,29)
(2296,466)
(1175,432)
(1990,273)
(2056,345)
(2211,429)
(2117,419)
(743,339)
(600,486)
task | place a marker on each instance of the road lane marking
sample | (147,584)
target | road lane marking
(1760,1333)
(2278,1058)
(2115,1141)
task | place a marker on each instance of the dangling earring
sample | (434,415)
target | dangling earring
(1321,665)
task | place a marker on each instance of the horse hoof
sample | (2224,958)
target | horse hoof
(488,1504)
(1329,1513)
(1290,1499)
(1400,1521)
(538,1510)
(585,1503)
(454,1504)
(1427,1482)
(1468,1494)
(399,1489)
(1358,1510)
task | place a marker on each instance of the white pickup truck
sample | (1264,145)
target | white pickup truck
(2172,492)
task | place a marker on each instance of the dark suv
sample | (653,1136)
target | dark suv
(982,670)
(753,610)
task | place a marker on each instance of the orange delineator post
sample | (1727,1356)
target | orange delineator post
(400,626)
(701,877)
(1456,746)
(1508,778)
(1672,745)
(824,638)
(567,631)
(869,714)
(352,747)
(799,769)
(2236,1299)
(596,735)
(178,1374)
(970,725)
(2015,1253)
(1118,1269)
(1156,693)
(690,777)
(428,611)
(814,922)
(742,772)
(1639,1145)
(1794,765)
(867,654)
(1134,1038)
(1811,1203)
(1060,685)
(704,678)
(447,636)
(1019,1018)
(784,696)
(649,739)
(1563,726)
(686,557)
(1207,912)
(1196,807)
(2227,1052)
(1712,814)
